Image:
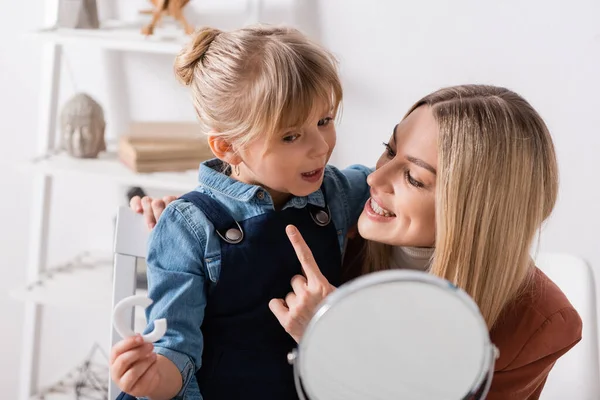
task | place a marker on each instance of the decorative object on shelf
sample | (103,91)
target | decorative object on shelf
(171,8)
(84,261)
(88,381)
(78,14)
(163,146)
(88,276)
(82,126)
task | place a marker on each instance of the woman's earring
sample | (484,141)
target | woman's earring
(236,169)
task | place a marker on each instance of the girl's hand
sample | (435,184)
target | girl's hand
(309,290)
(133,367)
(150,208)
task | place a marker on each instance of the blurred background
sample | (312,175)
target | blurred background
(390,53)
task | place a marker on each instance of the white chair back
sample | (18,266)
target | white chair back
(130,244)
(576,375)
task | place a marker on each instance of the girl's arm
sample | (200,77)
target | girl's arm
(170,380)
(177,283)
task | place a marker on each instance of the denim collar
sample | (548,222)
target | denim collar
(212,175)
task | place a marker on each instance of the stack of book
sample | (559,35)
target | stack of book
(163,146)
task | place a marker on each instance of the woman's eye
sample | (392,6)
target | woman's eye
(324,121)
(291,138)
(413,181)
(390,152)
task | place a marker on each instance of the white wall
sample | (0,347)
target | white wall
(547,51)
(16,63)
(391,54)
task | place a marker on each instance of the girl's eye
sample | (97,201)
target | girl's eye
(291,138)
(390,152)
(324,121)
(412,180)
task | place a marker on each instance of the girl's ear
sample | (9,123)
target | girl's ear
(223,150)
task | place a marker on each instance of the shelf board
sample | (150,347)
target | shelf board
(116,35)
(67,393)
(88,287)
(108,166)
(56,396)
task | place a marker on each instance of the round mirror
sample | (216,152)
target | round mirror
(395,335)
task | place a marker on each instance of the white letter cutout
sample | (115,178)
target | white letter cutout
(122,325)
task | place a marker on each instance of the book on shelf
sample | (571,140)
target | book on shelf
(162,166)
(163,146)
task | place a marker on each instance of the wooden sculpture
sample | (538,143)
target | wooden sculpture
(172,8)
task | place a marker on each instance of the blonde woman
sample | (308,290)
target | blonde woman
(464,184)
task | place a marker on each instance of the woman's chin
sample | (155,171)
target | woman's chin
(391,233)
(374,231)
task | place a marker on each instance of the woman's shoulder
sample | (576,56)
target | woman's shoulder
(539,323)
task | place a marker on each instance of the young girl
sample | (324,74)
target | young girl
(267,98)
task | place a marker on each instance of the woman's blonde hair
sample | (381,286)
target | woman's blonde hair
(257,80)
(497,181)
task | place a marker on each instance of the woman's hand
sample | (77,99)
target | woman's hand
(150,208)
(295,312)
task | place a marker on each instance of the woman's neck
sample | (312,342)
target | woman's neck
(416,258)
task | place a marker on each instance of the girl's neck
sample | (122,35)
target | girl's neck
(279,198)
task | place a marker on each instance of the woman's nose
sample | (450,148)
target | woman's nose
(382,179)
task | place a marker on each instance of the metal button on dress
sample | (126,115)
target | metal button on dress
(233,235)
(322,217)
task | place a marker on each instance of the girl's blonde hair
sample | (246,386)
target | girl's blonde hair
(257,80)
(497,181)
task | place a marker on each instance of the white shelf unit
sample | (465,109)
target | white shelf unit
(112,36)
(88,279)
(115,35)
(88,276)
(108,167)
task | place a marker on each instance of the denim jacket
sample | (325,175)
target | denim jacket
(184,259)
